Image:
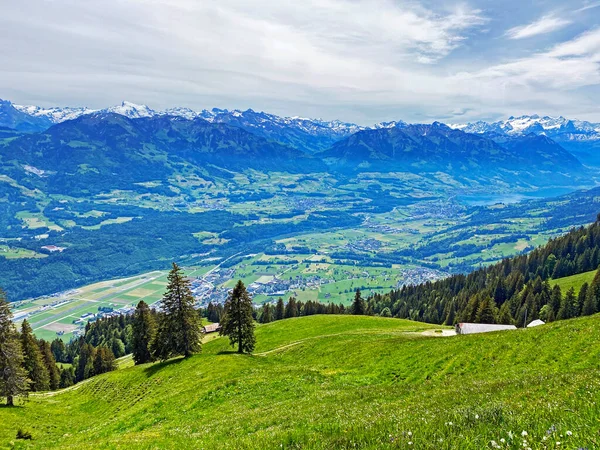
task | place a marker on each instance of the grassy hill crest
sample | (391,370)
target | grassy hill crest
(339,381)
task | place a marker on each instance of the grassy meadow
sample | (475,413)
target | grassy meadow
(339,382)
(574,281)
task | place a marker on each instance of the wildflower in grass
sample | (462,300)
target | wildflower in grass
(551,430)
(503,440)
(569,433)
(494,444)
(409,442)
(557,443)
(409,433)
(476,416)
(523,433)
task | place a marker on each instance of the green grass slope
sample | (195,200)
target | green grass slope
(574,281)
(339,382)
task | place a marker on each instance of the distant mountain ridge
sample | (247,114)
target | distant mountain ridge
(579,137)
(439,148)
(546,125)
(102,151)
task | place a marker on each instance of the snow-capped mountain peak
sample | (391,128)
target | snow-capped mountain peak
(131,110)
(55,114)
(541,125)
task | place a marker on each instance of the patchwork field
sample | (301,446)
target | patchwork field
(63,314)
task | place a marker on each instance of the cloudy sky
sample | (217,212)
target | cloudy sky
(355,60)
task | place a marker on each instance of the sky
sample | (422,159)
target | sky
(362,61)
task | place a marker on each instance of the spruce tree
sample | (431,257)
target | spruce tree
(358,305)
(58,350)
(487,311)
(279,310)
(50,363)
(85,362)
(33,361)
(589,304)
(568,305)
(237,322)
(144,330)
(267,314)
(67,377)
(13,377)
(179,331)
(581,298)
(504,316)
(595,290)
(104,360)
(291,308)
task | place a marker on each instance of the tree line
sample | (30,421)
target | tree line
(513,291)
(28,364)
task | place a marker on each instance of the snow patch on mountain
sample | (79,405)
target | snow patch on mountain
(559,127)
(55,114)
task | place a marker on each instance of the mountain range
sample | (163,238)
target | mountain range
(84,150)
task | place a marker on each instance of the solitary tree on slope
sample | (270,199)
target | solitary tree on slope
(237,322)
(179,331)
(144,330)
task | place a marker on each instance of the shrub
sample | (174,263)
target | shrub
(24,435)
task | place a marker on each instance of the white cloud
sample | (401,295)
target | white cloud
(356,60)
(545,24)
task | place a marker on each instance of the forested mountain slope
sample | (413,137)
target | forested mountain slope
(516,290)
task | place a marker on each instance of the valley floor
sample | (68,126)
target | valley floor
(339,382)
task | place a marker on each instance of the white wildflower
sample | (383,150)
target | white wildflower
(523,433)
(569,433)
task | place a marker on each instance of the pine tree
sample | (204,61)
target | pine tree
(595,290)
(279,310)
(58,350)
(13,377)
(486,312)
(581,298)
(555,299)
(144,330)
(267,314)
(589,304)
(291,308)
(67,377)
(104,360)
(567,305)
(85,362)
(358,305)
(50,363)
(237,322)
(33,361)
(504,316)
(179,331)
